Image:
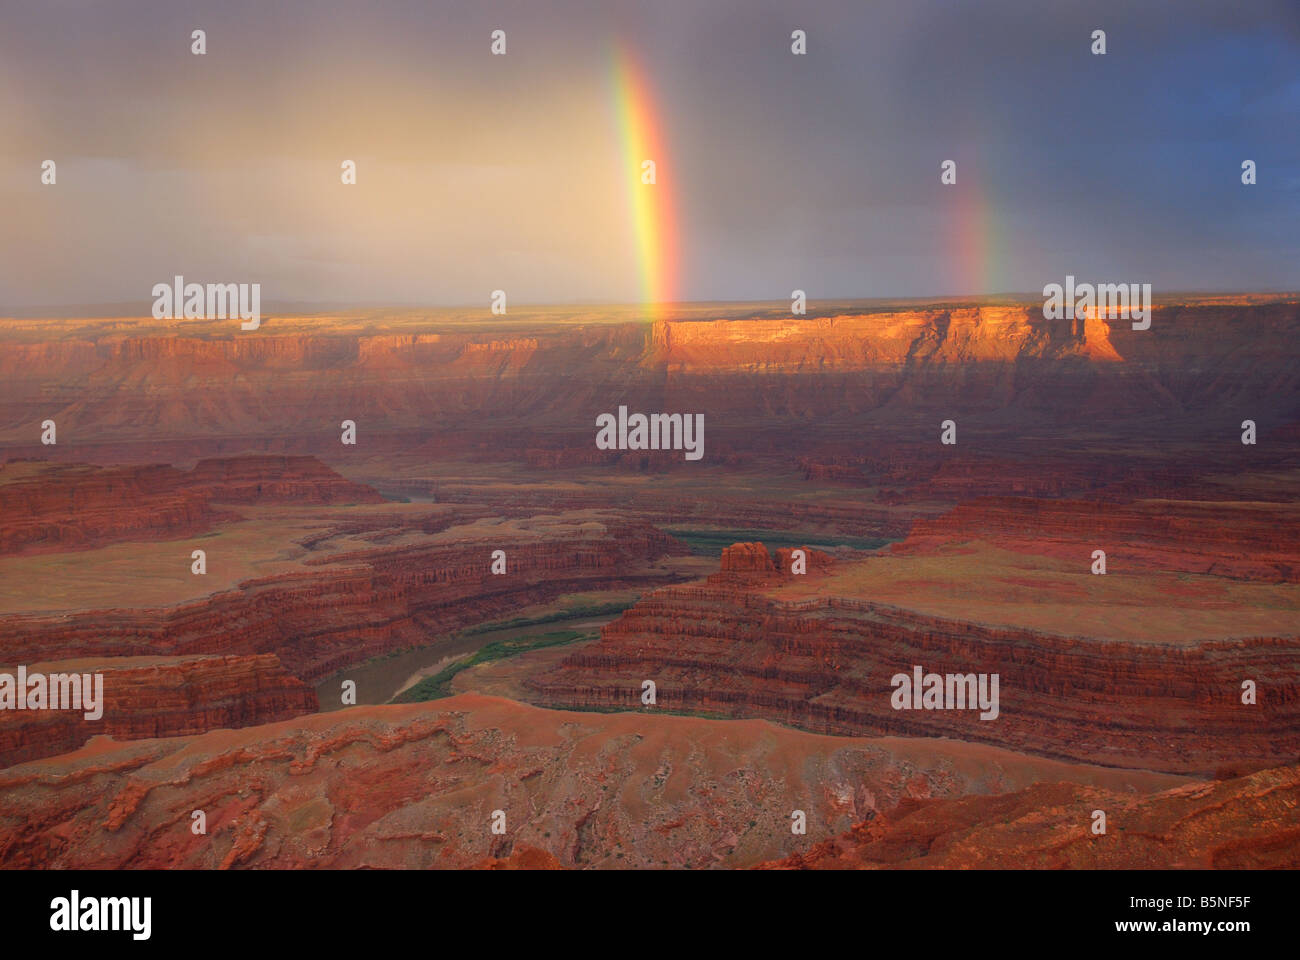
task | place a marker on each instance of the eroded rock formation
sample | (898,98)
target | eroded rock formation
(415,786)
(52,507)
(755,378)
(353,606)
(157,697)
(1246,823)
(729,646)
(1256,541)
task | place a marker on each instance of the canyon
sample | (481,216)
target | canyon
(348,606)
(1124,691)
(421,376)
(357,583)
(737,646)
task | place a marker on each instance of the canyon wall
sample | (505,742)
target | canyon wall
(85,507)
(51,507)
(750,377)
(727,647)
(156,697)
(1254,541)
(355,606)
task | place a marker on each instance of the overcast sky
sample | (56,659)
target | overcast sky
(476,172)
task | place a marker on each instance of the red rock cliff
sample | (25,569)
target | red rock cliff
(157,697)
(826,664)
(357,606)
(53,507)
(1248,540)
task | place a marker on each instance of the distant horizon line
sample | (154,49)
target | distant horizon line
(130,309)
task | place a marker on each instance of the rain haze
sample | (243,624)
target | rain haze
(773,171)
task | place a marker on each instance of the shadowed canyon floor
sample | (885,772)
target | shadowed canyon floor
(376,562)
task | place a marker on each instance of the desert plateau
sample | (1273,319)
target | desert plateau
(497,590)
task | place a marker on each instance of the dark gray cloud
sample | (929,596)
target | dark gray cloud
(819,172)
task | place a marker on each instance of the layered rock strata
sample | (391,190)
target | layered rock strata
(53,507)
(826,664)
(1256,541)
(156,697)
(753,377)
(355,606)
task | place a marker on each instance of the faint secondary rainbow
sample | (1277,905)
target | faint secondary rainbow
(977,239)
(650,206)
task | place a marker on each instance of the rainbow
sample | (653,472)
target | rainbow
(978,246)
(651,206)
